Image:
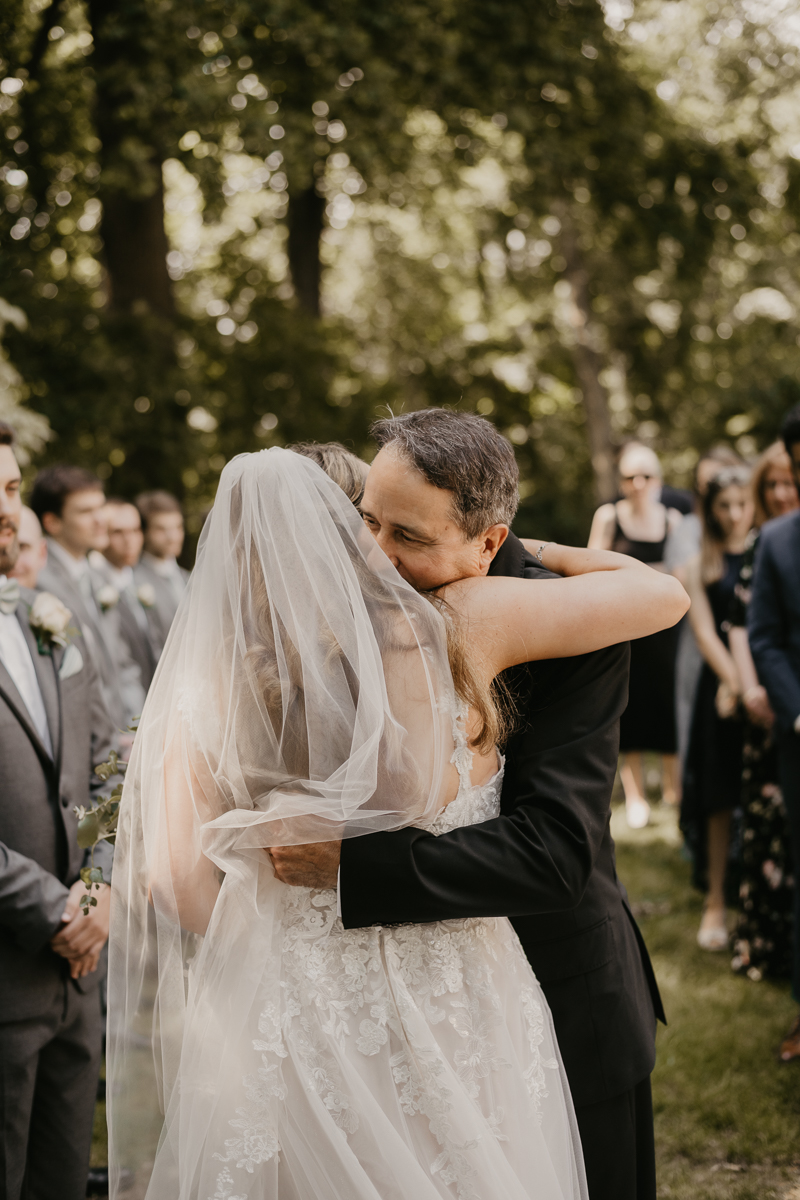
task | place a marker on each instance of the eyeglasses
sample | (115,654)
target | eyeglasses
(638,475)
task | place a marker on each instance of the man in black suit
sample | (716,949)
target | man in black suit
(773,624)
(548,860)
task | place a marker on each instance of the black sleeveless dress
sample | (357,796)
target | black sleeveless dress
(712,776)
(648,722)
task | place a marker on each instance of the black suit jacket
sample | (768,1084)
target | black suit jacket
(547,862)
(773,617)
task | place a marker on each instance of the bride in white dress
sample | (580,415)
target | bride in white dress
(257,1049)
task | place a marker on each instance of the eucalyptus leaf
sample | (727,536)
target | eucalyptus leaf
(89,831)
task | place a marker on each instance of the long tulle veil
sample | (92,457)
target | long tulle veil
(304,695)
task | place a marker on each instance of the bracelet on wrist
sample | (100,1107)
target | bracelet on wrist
(542,546)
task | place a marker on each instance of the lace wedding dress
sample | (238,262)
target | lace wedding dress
(257,1050)
(411,1061)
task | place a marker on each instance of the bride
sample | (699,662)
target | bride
(307,693)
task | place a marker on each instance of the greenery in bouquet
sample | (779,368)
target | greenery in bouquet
(99,824)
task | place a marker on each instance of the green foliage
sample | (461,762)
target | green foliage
(99,824)
(474,161)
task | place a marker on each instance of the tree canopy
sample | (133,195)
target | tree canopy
(231,225)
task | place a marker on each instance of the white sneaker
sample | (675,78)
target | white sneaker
(637,813)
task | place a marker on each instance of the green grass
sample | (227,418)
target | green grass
(727,1113)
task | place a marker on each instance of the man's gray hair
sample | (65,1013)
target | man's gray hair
(463,454)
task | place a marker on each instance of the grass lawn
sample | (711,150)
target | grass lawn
(727,1113)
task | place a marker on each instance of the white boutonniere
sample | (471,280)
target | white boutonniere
(50,621)
(146,595)
(107,597)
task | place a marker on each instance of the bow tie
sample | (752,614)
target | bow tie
(9,596)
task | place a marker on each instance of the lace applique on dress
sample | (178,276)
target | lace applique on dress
(416,1013)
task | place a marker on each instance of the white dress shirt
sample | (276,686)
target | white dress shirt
(16,658)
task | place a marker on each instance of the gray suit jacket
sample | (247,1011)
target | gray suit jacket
(119,675)
(39,854)
(134,628)
(161,614)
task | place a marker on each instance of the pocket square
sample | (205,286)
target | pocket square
(71,663)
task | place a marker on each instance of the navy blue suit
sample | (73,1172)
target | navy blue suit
(773,624)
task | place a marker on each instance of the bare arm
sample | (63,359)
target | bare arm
(602,599)
(601,534)
(754,694)
(183,881)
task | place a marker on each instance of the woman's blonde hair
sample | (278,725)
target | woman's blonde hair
(713,539)
(774,456)
(339,464)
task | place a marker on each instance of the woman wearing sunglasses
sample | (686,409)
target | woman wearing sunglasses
(638,524)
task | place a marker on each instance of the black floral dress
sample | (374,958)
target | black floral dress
(762,939)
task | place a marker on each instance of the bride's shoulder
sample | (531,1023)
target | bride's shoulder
(487,595)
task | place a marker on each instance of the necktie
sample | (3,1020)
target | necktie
(9,596)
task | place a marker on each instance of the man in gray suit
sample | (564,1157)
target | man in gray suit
(158,574)
(53,728)
(70,504)
(125,540)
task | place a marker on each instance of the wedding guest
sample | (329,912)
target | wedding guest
(343,466)
(683,544)
(116,563)
(53,727)
(32,557)
(70,504)
(763,934)
(774,629)
(638,525)
(158,570)
(713,774)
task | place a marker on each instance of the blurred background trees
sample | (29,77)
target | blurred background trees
(232,225)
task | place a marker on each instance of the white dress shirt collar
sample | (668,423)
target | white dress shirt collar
(121,577)
(166,567)
(75,567)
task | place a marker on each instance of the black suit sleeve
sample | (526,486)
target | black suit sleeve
(538,855)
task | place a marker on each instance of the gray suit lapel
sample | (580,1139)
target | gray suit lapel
(8,690)
(69,593)
(46,668)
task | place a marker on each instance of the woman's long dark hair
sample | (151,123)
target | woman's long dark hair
(713,540)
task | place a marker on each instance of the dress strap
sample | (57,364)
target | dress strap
(462,756)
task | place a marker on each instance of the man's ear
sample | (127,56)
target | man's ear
(51,524)
(491,541)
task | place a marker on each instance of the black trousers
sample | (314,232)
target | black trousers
(789,770)
(619,1147)
(49,1067)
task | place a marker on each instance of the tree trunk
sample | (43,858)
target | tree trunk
(588,364)
(306,212)
(136,252)
(131,187)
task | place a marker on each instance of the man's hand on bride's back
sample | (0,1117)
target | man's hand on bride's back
(312,866)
